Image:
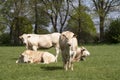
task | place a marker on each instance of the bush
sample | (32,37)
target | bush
(112,34)
(5,38)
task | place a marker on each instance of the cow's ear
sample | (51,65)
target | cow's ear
(74,35)
(28,36)
(82,47)
(20,37)
(64,36)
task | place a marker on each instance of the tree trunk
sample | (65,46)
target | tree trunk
(79,30)
(54,23)
(11,34)
(36,18)
(61,28)
(17,31)
(101,28)
(55,28)
(79,23)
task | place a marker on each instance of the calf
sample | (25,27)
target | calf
(30,56)
(81,54)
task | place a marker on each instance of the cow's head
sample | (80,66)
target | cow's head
(84,53)
(24,38)
(69,40)
(24,58)
(20,59)
(72,40)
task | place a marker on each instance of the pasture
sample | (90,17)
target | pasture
(102,64)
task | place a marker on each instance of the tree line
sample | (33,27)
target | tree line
(46,16)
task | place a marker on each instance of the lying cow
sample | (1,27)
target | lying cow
(81,54)
(34,41)
(30,56)
(68,45)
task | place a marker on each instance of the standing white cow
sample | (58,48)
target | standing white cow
(68,45)
(34,41)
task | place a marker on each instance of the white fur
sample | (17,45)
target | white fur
(34,41)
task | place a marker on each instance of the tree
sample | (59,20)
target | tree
(113,32)
(2,29)
(87,31)
(2,23)
(80,22)
(58,12)
(12,11)
(103,7)
(38,17)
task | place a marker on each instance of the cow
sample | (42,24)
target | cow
(30,56)
(81,54)
(68,45)
(34,41)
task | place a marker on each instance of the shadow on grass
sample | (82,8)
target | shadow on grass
(14,58)
(51,68)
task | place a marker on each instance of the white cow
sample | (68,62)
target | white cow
(30,56)
(68,45)
(34,41)
(81,54)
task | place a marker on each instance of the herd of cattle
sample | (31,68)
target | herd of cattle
(66,43)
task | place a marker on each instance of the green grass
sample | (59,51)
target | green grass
(102,64)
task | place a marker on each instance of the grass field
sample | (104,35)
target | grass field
(102,64)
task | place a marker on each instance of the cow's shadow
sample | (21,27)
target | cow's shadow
(14,58)
(51,68)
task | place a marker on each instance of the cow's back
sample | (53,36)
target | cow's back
(55,37)
(48,57)
(42,41)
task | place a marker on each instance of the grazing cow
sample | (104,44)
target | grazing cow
(81,54)
(34,41)
(68,45)
(30,56)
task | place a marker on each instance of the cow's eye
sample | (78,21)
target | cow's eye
(69,44)
(22,39)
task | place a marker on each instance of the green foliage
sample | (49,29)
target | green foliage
(42,31)
(23,24)
(2,28)
(5,39)
(102,64)
(113,32)
(39,17)
(19,26)
(82,24)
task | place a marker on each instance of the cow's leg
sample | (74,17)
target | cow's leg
(66,65)
(57,53)
(72,55)
(34,48)
(71,66)
(27,46)
(64,59)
